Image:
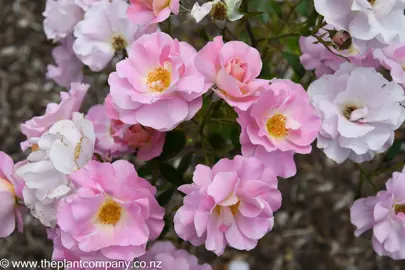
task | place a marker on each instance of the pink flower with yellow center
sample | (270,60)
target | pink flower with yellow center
(158,85)
(10,190)
(230,204)
(114,211)
(152,11)
(283,119)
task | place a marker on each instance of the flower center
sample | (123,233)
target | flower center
(399,208)
(371,2)
(34,147)
(276,126)
(119,43)
(348,109)
(110,213)
(159,79)
(234,209)
(219,11)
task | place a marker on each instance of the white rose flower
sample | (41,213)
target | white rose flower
(378,21)
(224,10)
(104,30)
(67,147)
(360,110)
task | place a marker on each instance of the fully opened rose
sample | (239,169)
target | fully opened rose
(231,204)
(360,110)
(158,85)
(114,211)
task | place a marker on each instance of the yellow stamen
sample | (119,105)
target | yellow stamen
(399,208)
(34,147)
(119,43)
(110,213)
(159,79)
(276,126)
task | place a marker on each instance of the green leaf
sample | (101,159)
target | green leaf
(185,163)
(175,142)
(165,196)
(295,63)
(171,175)
(217,141)
(393,151)
(145,171)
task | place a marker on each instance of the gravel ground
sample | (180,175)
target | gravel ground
(312,230)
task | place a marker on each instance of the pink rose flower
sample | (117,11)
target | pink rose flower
(233,67)
(171,258)
(282,119)
(385,215)
(70,103)
(158,85)
(152,11)
(114,138)
(393,59)
(68,68)
(74,255)
(61,16)
(113,211)
(230,204)
(10,189)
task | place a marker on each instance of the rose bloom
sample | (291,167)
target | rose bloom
(385,215)
(68,146)
(114,138)
(74,255)
(233,67)
(158,85)
(68,68)
(165,253)
(61,16)
(97,48)
(113,211)
(230,204)
(392,58)
(70,103)
(152,11)
(86,4)
(10,190)
(282,119)
(360,110)
(379,21)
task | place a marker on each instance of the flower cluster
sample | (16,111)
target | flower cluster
(100,181)
(385,215)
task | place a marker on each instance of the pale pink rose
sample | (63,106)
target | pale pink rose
(315,56)
(114,138)
(385,215)
(230,204)
(10,190)
(165,255)
(66,147)
(70,103)
(282,119)
(74,255)
(233,67)
(113,211)
(158,85)
(152,11)
(86,4)
(68,68)
(61,16)
(393,59)
(96,48)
